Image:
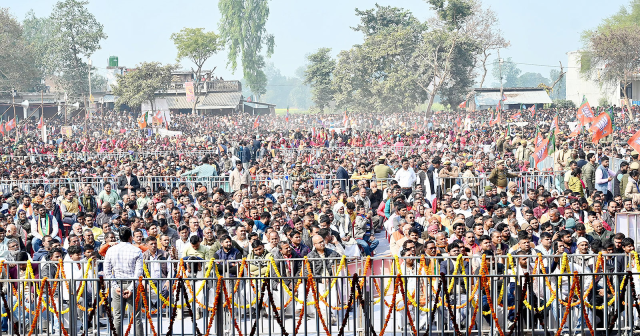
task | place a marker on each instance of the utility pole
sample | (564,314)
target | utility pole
(86,110)
(501,87)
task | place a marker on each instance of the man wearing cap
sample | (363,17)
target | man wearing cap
(499,176)
(523,153)
(204,170)
(382,171)
(300,174)
(448,175)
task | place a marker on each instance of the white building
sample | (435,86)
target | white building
(596,93)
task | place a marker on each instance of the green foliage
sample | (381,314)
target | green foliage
(286,91)
(510,72)
(532,79)
(376,20)
(196,45)
(319,75)
(64,41)
(243,29)
(604,102)
(18,69)
(452,12)
(563,103)
(377,76)
(140,85)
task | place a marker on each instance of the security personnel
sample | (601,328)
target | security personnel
(383,172)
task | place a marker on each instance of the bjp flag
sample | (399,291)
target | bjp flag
(41,122)
(540,153)
(576,131)
(634,142)
(601,127)
(11,124)
(585,113)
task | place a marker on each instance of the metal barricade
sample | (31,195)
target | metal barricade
(515,294)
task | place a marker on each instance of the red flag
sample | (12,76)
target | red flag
(634,142)
(463,104)
(41,122)
(2,128)
(601,127)
(585,113)
(533,110)
(256,123)
(11,124)
(540,153)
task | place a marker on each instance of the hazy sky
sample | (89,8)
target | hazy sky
(540,32)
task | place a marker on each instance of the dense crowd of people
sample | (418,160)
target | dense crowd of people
(292,186)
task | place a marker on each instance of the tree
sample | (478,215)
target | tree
(510,72)
(442,46)
(140,85)
(64,41)
(614,56)
(18,68)
(378,75)
(482,28)
(197,46)
(243,29)
(319,75)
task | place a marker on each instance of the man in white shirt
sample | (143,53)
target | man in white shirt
(464,209)
(405,177)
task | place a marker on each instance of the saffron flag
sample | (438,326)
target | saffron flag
(499,107)
(463,104)
(533,110)
(496,121)
(458,122)
(256,123)
(516,116)
(539,137)
(11,124)
(601,127)
(576,131)
(142,122)
(2,128)
(540,153)
(345,120)
(585,113)
(634,141)
(286,117)
(41,122)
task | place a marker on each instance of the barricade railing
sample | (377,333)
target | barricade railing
(316,181)
(583,294)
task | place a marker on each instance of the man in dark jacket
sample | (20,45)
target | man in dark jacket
(342,175)
(227,254)
(128,183)
(43,252)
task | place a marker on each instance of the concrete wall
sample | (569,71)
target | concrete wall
(577,86)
